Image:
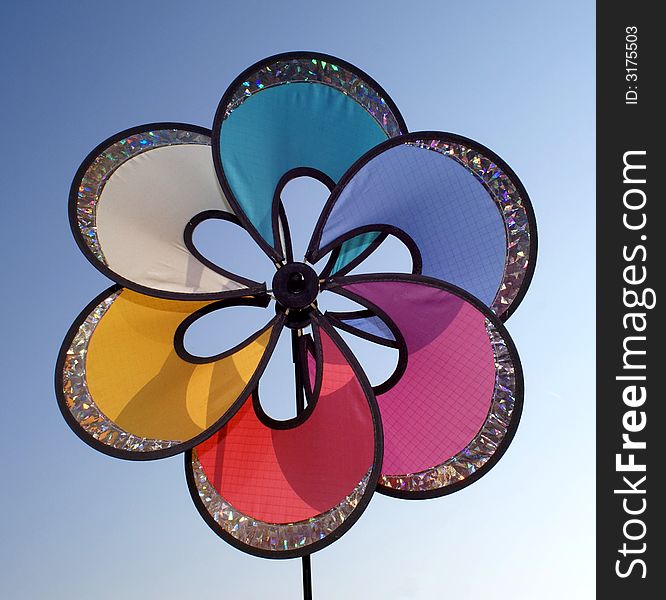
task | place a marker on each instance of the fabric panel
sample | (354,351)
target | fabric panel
(287,475)
(286,127)
(443,398)
(353,248)
(138,381)
(373,325)
(142,213)
(444,209)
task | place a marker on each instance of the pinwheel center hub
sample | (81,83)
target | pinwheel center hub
(295,286)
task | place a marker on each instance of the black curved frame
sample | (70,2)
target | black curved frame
(312,395)
(306,346)
(277,206)
(374,310)
(384,231)
(194,222)
(181,330)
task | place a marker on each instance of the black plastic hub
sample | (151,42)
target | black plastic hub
(295,286)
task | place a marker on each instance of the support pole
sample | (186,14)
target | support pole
(307,578)
(300,395)
(300,407)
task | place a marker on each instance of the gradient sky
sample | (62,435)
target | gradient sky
(516,76)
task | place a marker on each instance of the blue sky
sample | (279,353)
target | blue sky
(516,76)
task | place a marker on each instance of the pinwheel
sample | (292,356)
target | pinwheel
(128,386)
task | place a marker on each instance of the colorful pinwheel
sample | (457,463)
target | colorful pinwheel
(129,388)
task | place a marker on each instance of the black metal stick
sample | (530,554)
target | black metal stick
(300,407)
(307,578)
(298,373)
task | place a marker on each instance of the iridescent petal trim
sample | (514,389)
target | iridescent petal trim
(487,440)
(317,71)
(276,537)
(511,206)
(79,401)
(93,181)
